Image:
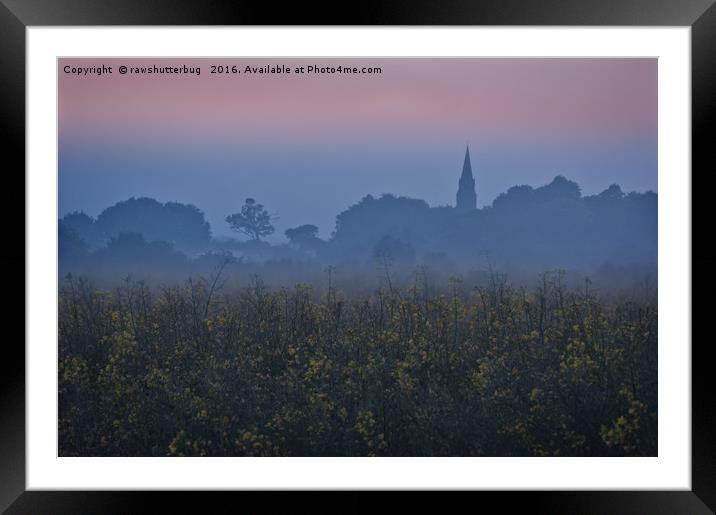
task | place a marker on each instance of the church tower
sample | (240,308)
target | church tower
(466,196)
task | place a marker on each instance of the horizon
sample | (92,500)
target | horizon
(279,235)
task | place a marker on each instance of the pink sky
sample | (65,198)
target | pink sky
(520,98)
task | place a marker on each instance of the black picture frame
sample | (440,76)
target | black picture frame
(16,15)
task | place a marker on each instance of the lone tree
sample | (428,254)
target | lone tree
(253,220)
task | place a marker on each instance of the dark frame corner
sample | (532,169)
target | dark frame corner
(700,15)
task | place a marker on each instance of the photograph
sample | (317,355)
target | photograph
(359,256)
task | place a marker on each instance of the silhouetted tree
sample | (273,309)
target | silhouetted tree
(305,237)
(559,188)
(84,227)
(360,227)
(514,197)
(613,192)
(253,220)
(301,233)
(181,224)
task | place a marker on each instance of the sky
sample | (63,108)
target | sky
(309,145)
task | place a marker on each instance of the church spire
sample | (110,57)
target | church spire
(466,166)
(466,196)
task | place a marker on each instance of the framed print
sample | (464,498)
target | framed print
(432,250)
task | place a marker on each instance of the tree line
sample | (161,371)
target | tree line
(550,226)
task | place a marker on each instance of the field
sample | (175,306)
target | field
(194,369)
